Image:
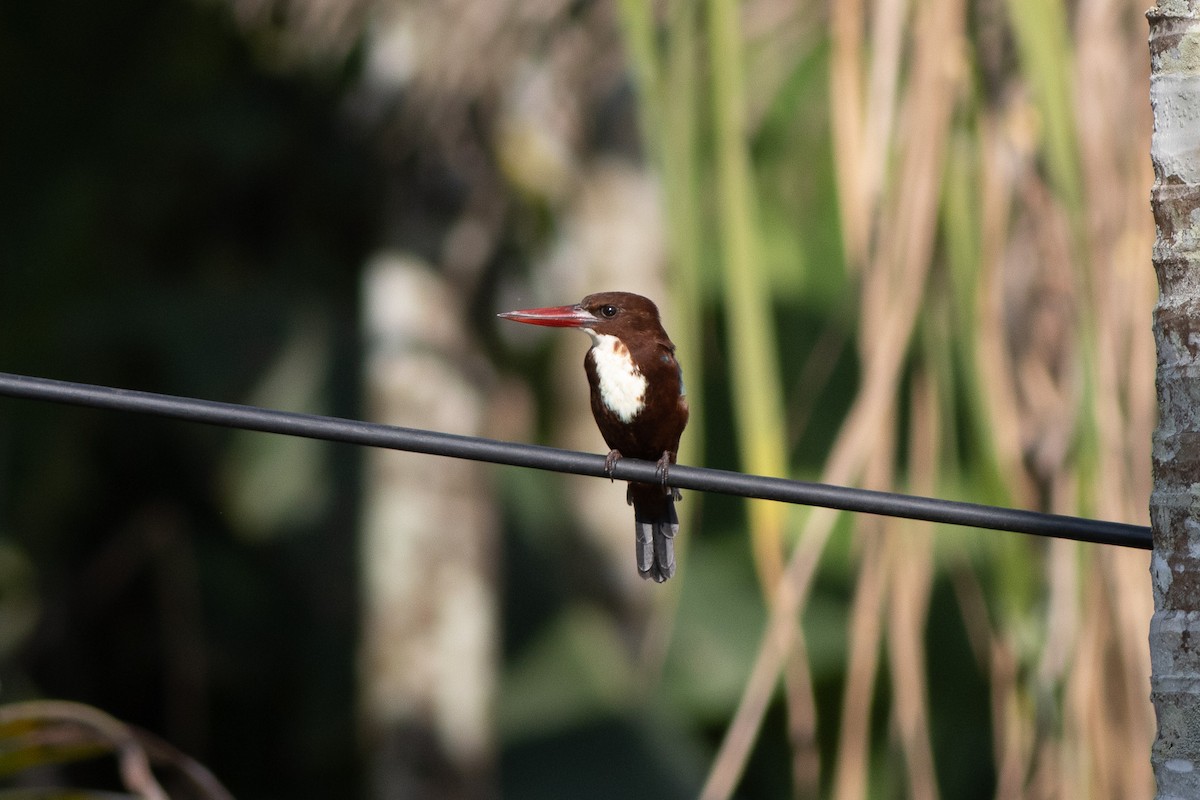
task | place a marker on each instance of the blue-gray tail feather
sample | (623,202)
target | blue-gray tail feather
(655,524)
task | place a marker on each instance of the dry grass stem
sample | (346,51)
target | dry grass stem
(866,628)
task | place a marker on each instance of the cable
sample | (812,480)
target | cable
(334,429)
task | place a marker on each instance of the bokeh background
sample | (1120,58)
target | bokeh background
(900,244)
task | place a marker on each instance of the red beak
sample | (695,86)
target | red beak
(555,317)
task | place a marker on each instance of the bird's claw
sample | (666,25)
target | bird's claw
(610,462)
(663,472)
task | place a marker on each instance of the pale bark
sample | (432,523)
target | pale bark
(430,628)
(1175,501)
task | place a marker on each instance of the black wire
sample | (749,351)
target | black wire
(313,426)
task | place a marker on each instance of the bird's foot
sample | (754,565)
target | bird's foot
(663,472)
(610,461)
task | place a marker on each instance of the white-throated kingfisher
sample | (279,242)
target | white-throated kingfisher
(638,402)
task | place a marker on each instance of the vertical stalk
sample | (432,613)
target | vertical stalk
(1044,46)
(667,80)
(754,378)
(667,105)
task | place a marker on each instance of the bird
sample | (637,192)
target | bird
(638,401)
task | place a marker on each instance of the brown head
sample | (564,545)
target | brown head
(621,314)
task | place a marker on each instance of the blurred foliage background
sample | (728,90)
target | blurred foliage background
(900,244)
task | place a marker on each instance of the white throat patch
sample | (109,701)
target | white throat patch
(622,384)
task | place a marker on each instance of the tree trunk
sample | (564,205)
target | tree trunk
(430,628)
(1175,501)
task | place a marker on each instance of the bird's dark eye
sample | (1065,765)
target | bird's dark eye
(608,311)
